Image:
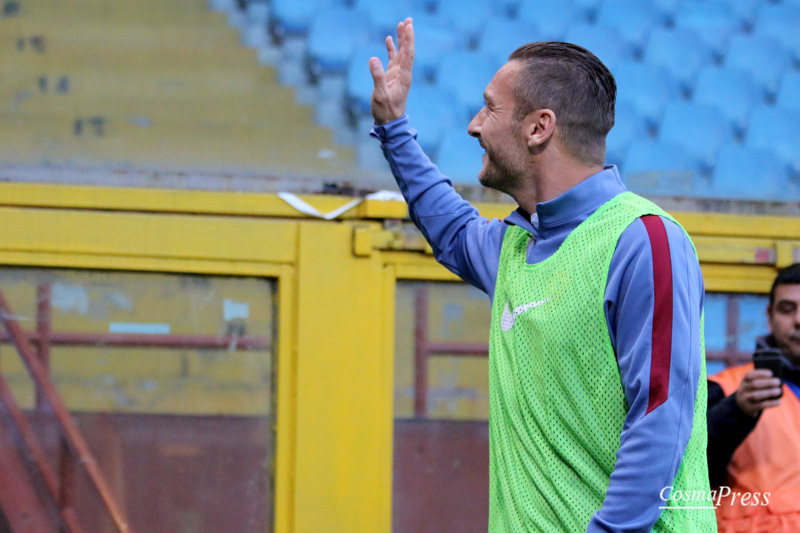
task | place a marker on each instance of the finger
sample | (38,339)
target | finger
(391,49)
(758,373)
(770,403)
(763,383)
(408,45)
(378,74)
(401,26)
(761,395)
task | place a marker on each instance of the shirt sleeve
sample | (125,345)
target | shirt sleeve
(654,300)
(464,242)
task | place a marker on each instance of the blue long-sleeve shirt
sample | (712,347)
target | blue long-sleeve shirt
(654,437)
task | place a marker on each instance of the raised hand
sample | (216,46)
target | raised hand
(391,86)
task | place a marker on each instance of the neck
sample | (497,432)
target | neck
(551,181)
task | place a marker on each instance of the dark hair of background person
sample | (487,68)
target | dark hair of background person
(574,84)
(786,276)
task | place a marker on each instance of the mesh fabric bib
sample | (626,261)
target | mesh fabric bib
(556,398)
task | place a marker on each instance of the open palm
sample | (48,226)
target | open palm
(392,85)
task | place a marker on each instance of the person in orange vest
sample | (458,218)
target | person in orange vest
(754,425)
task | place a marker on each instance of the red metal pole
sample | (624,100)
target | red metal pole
(421,352)
(70,432)
(35,456)
(731,328)
(459,348)
(66,496)
(145,341)
(43,327)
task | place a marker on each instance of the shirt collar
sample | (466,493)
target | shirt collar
(586,196)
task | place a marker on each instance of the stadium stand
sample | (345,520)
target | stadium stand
(716,60)
(466,17)
(667,55)
(459,156)
(434,113)
(502,35)
(681,51)
(714,20)
(701,130)
(776,130)
(633,19)
(170,89)
(550,18)
(748,173)
(629,127)
(648,87)
(731,91)
(789,94)
(660,168)
(605,43)
(763,58)
(465,75)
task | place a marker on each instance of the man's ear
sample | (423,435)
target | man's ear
(539,127)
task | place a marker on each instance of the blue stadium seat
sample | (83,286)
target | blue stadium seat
(466,17)
(700,129)
(290,17)
(633,19)
(628,128)
(780,21)
(433,112)
(647,87)
(713,20)
(715,307)
(752,321)
(502,35)
(668,8)
(359,79)
(777,130)
(588,8)
(653,167)
(681,51)
(505,8)
(334,35)
(789,93)
(460,157)
(748,174)
(385,16)
(733,92)
(763,57)
(778,13)
(466,75)
(605,43)
(432,42)
(746,11)
(551,18)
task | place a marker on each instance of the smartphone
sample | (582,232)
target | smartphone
(771,360)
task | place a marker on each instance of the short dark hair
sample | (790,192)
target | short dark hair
(573,83)
(786,276)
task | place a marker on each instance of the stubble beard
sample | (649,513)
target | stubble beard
(498,175)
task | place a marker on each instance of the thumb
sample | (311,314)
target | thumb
(378,74)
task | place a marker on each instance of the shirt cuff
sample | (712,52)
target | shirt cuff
(393,130)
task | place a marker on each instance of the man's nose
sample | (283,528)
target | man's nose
(475,124)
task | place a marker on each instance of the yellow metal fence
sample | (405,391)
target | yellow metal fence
(335,301)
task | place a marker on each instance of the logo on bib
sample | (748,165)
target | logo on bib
(507,320)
